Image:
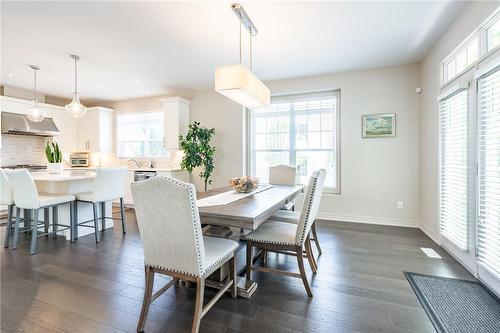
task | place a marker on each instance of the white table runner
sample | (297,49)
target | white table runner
(228,197)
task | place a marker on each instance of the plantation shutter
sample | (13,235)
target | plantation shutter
(489,173)
(454,185)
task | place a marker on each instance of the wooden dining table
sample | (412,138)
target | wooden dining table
(246,214)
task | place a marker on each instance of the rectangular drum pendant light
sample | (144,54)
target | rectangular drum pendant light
(238,83)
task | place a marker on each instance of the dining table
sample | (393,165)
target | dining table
(244,212)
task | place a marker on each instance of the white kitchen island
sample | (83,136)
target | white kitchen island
(72,182)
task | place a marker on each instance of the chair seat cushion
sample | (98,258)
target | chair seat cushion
(217,250)
(286,216)
(50,199)
(85,196)
(274,232)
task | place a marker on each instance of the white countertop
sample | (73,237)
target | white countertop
(129,169)
(63,177)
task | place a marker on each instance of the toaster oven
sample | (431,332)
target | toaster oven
(80,159)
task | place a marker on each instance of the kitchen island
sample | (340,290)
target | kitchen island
(72,182)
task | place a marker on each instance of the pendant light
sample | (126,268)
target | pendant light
(75,108)
(35,114)
(237,82)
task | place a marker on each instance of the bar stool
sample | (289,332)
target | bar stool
(26,197)
(6,199)
(109,185)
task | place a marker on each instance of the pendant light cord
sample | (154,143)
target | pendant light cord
(250,33)
(34,84)
(241,23)
(76,77)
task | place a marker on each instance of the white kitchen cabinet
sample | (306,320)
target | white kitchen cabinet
(181,175)
(128,191)
(95,130)
(176,117)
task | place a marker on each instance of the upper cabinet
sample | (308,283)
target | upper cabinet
(176,120)
(95,130)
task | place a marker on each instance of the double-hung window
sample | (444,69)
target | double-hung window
(298,130)
(140,134)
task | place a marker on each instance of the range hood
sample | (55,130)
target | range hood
(15,123)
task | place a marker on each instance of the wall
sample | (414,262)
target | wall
(469,19)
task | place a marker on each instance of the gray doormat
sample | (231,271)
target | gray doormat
(457,306)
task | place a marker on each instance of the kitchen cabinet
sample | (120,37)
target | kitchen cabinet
(95,130)
(128,191)
(176,118)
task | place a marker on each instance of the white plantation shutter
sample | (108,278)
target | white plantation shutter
(454,171)
(489,173)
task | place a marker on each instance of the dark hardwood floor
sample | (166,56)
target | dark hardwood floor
(88,287)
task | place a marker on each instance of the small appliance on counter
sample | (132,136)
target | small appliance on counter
(79,159)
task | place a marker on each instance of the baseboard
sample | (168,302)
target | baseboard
(432,235)
(370,220)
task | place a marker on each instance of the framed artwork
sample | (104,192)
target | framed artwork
(379,125)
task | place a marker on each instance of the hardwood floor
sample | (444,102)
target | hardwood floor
(89,287)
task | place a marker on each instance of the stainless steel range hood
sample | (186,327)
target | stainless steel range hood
(14,123)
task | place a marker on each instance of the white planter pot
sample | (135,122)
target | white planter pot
(55,168)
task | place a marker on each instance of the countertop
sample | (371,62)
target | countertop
(63,177)
(129,169)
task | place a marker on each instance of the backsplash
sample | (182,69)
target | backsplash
(22,149)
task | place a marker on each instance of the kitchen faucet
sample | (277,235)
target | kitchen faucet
(136,163)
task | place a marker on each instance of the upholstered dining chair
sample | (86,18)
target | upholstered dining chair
(26,197)
(290,238)
(283,175)
(170,229)
(109,185)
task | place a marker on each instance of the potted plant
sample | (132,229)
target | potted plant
(197,151)
(54,157)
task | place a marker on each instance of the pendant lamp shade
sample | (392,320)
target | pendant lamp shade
(75,108)
(35,114)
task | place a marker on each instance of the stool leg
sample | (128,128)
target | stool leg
(72,222)
(46,213)
(122,213)
(16,228)
(75,232)
(55,217)
(27,218)
(103,215)
(9,226)
(34,232)
(96,223)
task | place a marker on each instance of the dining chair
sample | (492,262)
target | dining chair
(170,229)
(26,196)
(283,175)
(109,185)
(287,238)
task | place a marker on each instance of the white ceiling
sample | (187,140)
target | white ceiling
(132,49)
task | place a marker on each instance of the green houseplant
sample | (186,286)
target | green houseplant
(197,151)
(54,157)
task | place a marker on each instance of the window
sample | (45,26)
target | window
(489,173)
(493,34)
(460,59)
(453,176)
(140,134)
(300,130)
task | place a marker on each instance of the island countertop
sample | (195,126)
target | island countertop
(63,177)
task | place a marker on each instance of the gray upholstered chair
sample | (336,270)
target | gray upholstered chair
(290,238)
(283,175)
(169,225)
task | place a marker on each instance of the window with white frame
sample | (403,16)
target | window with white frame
(299,130)
(140,134)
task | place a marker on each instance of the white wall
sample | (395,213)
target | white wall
(469,19)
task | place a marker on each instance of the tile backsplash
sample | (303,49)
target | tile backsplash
(22,149)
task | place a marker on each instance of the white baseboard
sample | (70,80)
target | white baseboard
(432,235)
(370,220)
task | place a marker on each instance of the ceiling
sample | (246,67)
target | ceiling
(135,49)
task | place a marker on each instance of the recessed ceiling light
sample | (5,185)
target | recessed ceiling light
(11,75)
(136,80)
(101,85)
(147,92)
(117,97)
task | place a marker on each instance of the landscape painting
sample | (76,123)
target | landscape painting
(379,125)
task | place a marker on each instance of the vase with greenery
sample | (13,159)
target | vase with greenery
(54,157)
(197,151)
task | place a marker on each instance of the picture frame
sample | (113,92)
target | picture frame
(381,125)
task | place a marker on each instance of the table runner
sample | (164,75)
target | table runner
(228,197)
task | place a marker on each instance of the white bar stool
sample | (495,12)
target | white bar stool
(27,197)
(6,199)
(109,185)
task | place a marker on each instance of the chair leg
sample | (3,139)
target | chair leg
(300,261)
(10,210)
(232,276)
(55,221)
(96,223)
(316,240)
(310,256)
(16,229)
(34,231)
(72,222)
(103,215)
(249,260)
(46,222)
(148,292)
(198,306)
(75,211)
(122,214)
(27,219)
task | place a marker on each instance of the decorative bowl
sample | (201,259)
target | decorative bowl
(244,184)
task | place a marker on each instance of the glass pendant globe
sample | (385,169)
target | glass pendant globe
(75,108)
(35,114)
